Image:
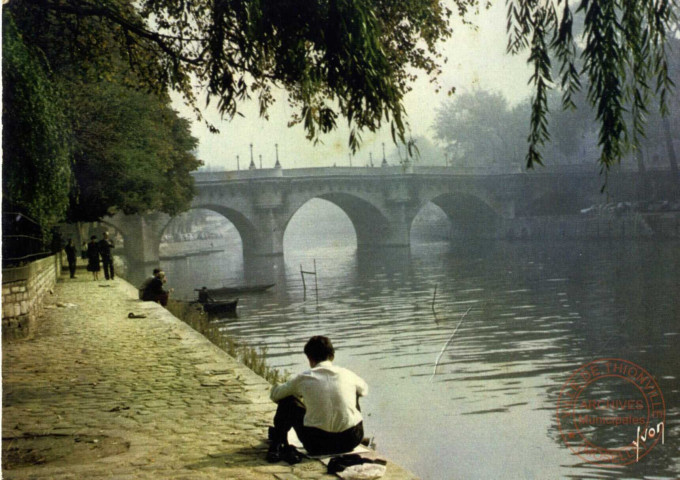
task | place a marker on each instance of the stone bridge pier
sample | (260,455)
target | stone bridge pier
(268,227)
(141,234)
(389,226)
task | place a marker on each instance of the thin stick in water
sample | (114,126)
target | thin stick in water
(316,285)
(434,297)
(436,363)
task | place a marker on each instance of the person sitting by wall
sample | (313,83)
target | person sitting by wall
(146,282)
(154,291)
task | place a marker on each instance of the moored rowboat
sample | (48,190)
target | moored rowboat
(218,307)
(226,291)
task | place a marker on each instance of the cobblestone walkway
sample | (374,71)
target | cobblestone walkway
(95,394)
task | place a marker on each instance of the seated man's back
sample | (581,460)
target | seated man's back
(330,396)
(329,420)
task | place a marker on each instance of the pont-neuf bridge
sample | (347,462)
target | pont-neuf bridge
(382,202)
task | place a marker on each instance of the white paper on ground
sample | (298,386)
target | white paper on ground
(365,471)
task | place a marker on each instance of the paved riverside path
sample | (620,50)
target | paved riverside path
(95,394)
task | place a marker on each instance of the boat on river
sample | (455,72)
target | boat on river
(219,307)
(230,291)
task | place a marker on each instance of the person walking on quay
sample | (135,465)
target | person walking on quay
(70,250)
(154,291)
(105,246)
(93,257)
(329,421)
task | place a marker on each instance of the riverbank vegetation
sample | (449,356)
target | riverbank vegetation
(82,138)
(252,357)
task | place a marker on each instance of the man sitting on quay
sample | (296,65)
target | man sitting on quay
(153,291)
(329,421)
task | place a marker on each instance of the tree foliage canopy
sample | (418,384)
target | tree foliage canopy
(618,46)
(132,153)
(350,58)
(82,139)
(35,138)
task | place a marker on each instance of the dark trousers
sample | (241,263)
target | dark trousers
(107,262)
(161,298)
(290,413)
(72,268)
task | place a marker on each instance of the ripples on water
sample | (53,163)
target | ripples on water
(537,313)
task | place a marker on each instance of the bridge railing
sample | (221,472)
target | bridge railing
(342,172)
(264,173)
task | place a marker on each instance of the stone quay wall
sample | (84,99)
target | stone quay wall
(23,291)
(579,226)
(606,226)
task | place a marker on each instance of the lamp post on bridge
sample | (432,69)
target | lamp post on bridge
(238,164)
(277,164)
(252,163)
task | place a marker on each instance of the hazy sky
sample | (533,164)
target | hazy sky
(476,59)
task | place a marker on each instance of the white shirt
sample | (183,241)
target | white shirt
(330,396)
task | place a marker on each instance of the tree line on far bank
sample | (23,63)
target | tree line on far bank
(482,129)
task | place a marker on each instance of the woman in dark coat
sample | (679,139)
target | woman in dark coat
(93,257)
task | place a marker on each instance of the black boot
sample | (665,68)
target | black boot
(291,455)
(275,452)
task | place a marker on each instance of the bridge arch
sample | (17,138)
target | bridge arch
(318,223)
(126,227)
(114,230)
(80,233)
(245,227)
(369,221)
(469,214)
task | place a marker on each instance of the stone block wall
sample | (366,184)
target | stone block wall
(665,225)
(626,226)
(23,293)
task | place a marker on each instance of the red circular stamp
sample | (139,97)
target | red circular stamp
(611,412)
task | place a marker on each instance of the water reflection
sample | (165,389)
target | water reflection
(536,314)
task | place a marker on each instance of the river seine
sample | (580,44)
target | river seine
(479,401)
